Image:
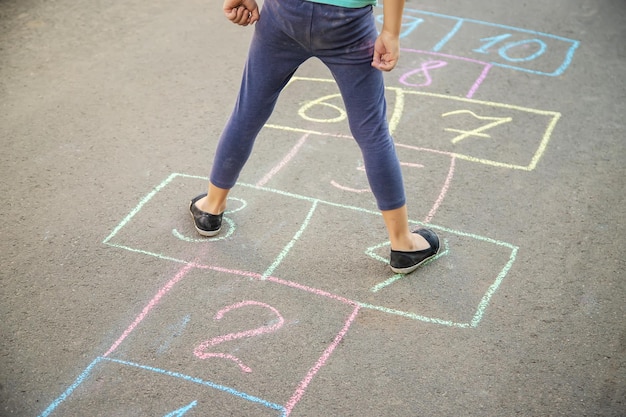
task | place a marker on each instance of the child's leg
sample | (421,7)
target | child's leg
(362,89)
(215,200)
(272,60)
(400,236)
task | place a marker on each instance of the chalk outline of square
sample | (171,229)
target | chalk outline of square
(481,77)
(399,108)
(302,385)
(186,378)
(473,323)
(569,55)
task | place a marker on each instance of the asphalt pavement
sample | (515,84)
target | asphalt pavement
(509,123)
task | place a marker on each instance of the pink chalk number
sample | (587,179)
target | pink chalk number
(199,351)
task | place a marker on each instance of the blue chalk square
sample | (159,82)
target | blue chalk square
(141,390)
(510,47)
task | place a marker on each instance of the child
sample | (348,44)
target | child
(343,35)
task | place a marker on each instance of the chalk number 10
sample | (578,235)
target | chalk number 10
(503,51)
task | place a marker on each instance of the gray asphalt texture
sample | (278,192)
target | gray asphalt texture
(509,121)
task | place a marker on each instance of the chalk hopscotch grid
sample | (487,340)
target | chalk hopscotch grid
(267,275)
(285,410)
(483,304)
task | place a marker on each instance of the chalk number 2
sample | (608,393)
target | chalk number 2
(200,350)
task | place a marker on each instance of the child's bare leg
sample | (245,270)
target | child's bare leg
(215,200)
(400,236)
(409,249)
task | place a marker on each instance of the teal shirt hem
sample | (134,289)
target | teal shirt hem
(351,4)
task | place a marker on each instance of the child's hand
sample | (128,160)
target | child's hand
(241,12)
(386,52)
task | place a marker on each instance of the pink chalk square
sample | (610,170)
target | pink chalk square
(140,390)
(259,337)
(439,73)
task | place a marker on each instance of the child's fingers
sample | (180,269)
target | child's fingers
(239,15)
(254,16)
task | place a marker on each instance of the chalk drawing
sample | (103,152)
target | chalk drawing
(513,48)
(177,330)
(408,25)
(534,150)
(182,411)
(549,48)
(323,101)
(267,275)
(189,265)
(192,379)
(336,184)
(292,242)
(157,298)
(290,155)
(200,350)
(349,189)
(397,277)
(301,389)
(502,51)
(65,395)
(301,386)
(496,121)
(423,70)
(224,234)
(452,62)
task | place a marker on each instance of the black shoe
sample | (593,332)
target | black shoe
(405,262)
(207,224)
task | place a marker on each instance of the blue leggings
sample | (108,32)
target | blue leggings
(288,33)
